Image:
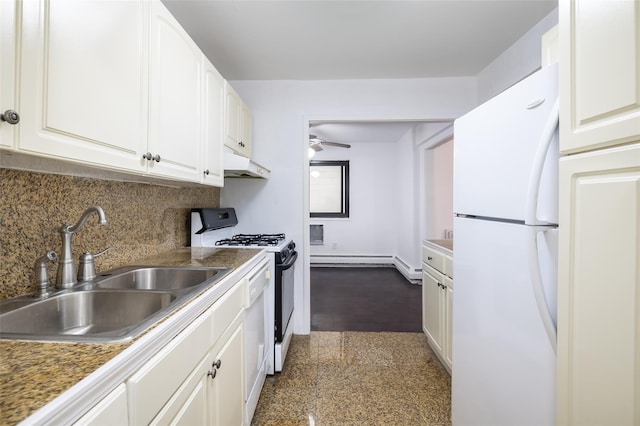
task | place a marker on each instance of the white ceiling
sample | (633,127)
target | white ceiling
(354,132)
(338,39)
(329,39)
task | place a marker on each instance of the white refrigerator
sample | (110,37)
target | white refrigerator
(505,257)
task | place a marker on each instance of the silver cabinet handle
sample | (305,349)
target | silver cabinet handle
(206,172)
(149,156)
(212,374)
(429,258)
(10,116)
(217,364)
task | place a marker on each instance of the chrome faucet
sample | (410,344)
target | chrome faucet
(66,267)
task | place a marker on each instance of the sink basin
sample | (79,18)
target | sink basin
(160,278)
(117,306)
(86,315)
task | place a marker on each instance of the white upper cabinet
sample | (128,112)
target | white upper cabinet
(113,85)
(239,123)
(8,100)
(175,98)
(600,73)
(83,81)
(213,125)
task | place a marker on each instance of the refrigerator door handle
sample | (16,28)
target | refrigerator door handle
(536,284)
(538,164)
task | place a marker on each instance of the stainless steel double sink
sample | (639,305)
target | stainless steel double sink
(115,307)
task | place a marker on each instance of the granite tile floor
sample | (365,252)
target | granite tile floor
(357,378)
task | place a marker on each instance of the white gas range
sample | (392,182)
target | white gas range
(217,228)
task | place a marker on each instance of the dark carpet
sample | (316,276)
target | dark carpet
(364,299)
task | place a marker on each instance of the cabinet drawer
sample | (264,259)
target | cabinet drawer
(437,275)
(187,405)
(433,258)
(448,282)
(448,266)
(226,309)
(154,384)
(112,410)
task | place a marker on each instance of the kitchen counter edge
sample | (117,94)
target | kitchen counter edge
(445,246)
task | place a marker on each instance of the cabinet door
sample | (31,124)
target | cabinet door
(8,82)
(600,76)
(233,118)
(227,387)
(447,321)
(246,141)
(599,288)
(239,123)
(431,304)
(83,81)
(213,125)
(175,103)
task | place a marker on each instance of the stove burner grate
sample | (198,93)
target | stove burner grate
(252,240)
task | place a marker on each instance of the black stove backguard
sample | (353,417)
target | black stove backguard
(212,219)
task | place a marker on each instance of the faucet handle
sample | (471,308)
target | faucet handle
(42,274)
(86,267)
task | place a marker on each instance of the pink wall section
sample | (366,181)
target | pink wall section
(442,190)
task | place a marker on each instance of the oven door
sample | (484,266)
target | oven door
(284,294)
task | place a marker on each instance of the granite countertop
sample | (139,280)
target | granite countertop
(446,244)
(32,374)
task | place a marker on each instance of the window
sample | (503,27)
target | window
(329,188)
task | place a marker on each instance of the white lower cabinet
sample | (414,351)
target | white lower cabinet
(112,410)
(197,378)
(437,302)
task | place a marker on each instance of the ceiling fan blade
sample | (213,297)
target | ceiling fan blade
(315,146)
(338,144)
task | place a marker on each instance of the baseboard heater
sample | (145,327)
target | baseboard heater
(350,259)
(326,260)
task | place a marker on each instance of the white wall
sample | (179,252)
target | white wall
(367,232)
(282,110)
(515,63)
(384,197)
(408,238)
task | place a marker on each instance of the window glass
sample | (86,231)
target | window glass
(329,188)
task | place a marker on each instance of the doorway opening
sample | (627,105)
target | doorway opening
(376,250)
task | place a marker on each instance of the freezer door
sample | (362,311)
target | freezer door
(503,362)
(494,149)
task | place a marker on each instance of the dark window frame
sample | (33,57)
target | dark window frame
(344,213)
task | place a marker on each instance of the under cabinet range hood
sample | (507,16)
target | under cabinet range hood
(237,166)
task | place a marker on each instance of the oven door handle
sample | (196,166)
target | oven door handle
(290,261)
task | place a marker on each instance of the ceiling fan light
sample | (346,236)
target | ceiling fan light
(312,152)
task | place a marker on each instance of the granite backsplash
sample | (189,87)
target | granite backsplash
(142,220)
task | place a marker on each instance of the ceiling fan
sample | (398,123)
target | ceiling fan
(315,143)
